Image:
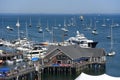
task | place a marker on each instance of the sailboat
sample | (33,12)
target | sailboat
(18,25)
(30,24)
(40,30)
(39,27)
(88,27)
(47,28)
(111,53)
(65,27)
(95,30)
(103,23)
(109,35)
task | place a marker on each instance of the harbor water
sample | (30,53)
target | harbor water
(55,23)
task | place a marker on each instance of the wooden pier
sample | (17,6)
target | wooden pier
(89,65)
(72,68)
(58,70)
(20,74)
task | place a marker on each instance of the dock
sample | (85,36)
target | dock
(19,74)
(71,68)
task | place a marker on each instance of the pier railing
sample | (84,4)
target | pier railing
(87,63)
(74,64)
(18,72)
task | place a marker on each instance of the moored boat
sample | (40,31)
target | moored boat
(81,40)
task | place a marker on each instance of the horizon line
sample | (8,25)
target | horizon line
(58,13)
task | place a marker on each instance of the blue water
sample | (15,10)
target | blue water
(112,64)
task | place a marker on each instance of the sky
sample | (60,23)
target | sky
(60,6)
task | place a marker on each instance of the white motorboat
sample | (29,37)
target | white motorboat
(36,52)
(81,40)
(10,62)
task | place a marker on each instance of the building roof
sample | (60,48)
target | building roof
(75,52)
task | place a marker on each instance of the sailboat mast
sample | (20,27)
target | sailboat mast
(26,31)
(30,24)
(65,23)
(18,25)
(111,36)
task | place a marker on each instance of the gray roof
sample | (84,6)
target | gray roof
(75,52)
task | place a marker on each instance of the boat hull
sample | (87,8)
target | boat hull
(92,44)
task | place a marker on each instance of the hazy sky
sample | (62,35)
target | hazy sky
(60,6)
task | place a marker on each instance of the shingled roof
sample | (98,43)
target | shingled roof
(75,52)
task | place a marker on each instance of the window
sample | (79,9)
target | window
(69,62)
(59,61)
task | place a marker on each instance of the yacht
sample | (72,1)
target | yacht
(36,52)
(81,40)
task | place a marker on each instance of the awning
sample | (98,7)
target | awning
(55,65)
(4,69)
(35,59)
(81,59)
